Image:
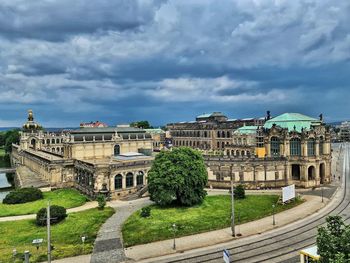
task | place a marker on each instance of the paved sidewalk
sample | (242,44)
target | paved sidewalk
(108,247)
(161,248)
(86,206)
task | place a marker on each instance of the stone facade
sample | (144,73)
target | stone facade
(90,159)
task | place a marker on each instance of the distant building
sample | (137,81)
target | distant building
(344,131)
(158,137)
(96,124)
(208,132)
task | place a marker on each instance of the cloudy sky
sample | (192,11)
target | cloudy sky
(165,61)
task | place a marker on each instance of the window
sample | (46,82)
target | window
(116,149)
(139,178)
(129,180)
(311,147)
(118,182)
(295,147)
(321,145)
(275,146)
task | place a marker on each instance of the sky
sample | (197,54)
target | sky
(167,61)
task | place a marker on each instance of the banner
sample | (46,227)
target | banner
(288,193)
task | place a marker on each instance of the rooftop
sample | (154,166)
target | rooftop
(108,130)
(246,130)
(292,121)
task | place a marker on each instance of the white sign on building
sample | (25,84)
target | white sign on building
(288,193)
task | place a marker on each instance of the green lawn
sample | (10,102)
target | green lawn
(67,198)
(65,236)
(213,213)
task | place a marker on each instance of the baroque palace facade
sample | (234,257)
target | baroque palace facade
(110,160)
(268,152)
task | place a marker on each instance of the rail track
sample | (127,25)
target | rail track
(283,244)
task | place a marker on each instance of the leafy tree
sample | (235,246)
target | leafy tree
(141,124)
(178,176)
(239,192)
(10,138)
(333,241)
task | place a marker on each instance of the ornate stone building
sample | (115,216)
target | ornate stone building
(297,150)
(208,132)
(112,160)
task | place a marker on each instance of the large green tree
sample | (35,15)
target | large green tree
(141,124)
(11,137)
(333,241)
(178,176)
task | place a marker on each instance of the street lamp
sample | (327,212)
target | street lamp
(322,192)
(174,229)
(232,207)
(273,215)
(83,238)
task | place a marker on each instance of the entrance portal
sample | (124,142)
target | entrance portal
(295,171)
(311,173)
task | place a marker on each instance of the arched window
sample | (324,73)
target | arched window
(228,134)
(275,146)
(52,141)
(47,141)
(311,147)
(139,178)
(33,143)
(218,144)
(116,149)
(321,145)
(118,182)
(218,134)
(242,153)
(223,134)
(237,153)
(295,147)
(57,141)
(223,145)
(129,180)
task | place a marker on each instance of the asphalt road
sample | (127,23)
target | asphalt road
(283,244)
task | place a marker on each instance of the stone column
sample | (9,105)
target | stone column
(134,177)
(124,181)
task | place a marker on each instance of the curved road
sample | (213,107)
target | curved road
(283,244)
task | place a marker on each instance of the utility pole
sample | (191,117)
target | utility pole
(48,221)
(232,207)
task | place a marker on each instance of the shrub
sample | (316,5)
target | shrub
(57,214)
(239,192)
(101,200)
(23,195)
(145,211)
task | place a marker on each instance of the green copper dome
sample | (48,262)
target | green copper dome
(293,121)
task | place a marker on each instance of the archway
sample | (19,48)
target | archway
(322,172)
(129,180)
(118,182)
(33,143)
(311,173)
(295,171)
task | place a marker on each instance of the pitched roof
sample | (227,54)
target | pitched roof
(291,121)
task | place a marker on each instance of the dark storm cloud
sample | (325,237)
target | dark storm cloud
(167,61)
(56,20)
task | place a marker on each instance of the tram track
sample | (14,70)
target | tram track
(306,230)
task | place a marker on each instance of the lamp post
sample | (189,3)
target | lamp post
(48,222)
(83,238)
(174,229)
(322,192)
(232,207)
(273,215)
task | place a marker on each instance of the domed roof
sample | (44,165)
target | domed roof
(31,125)
(293,121)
